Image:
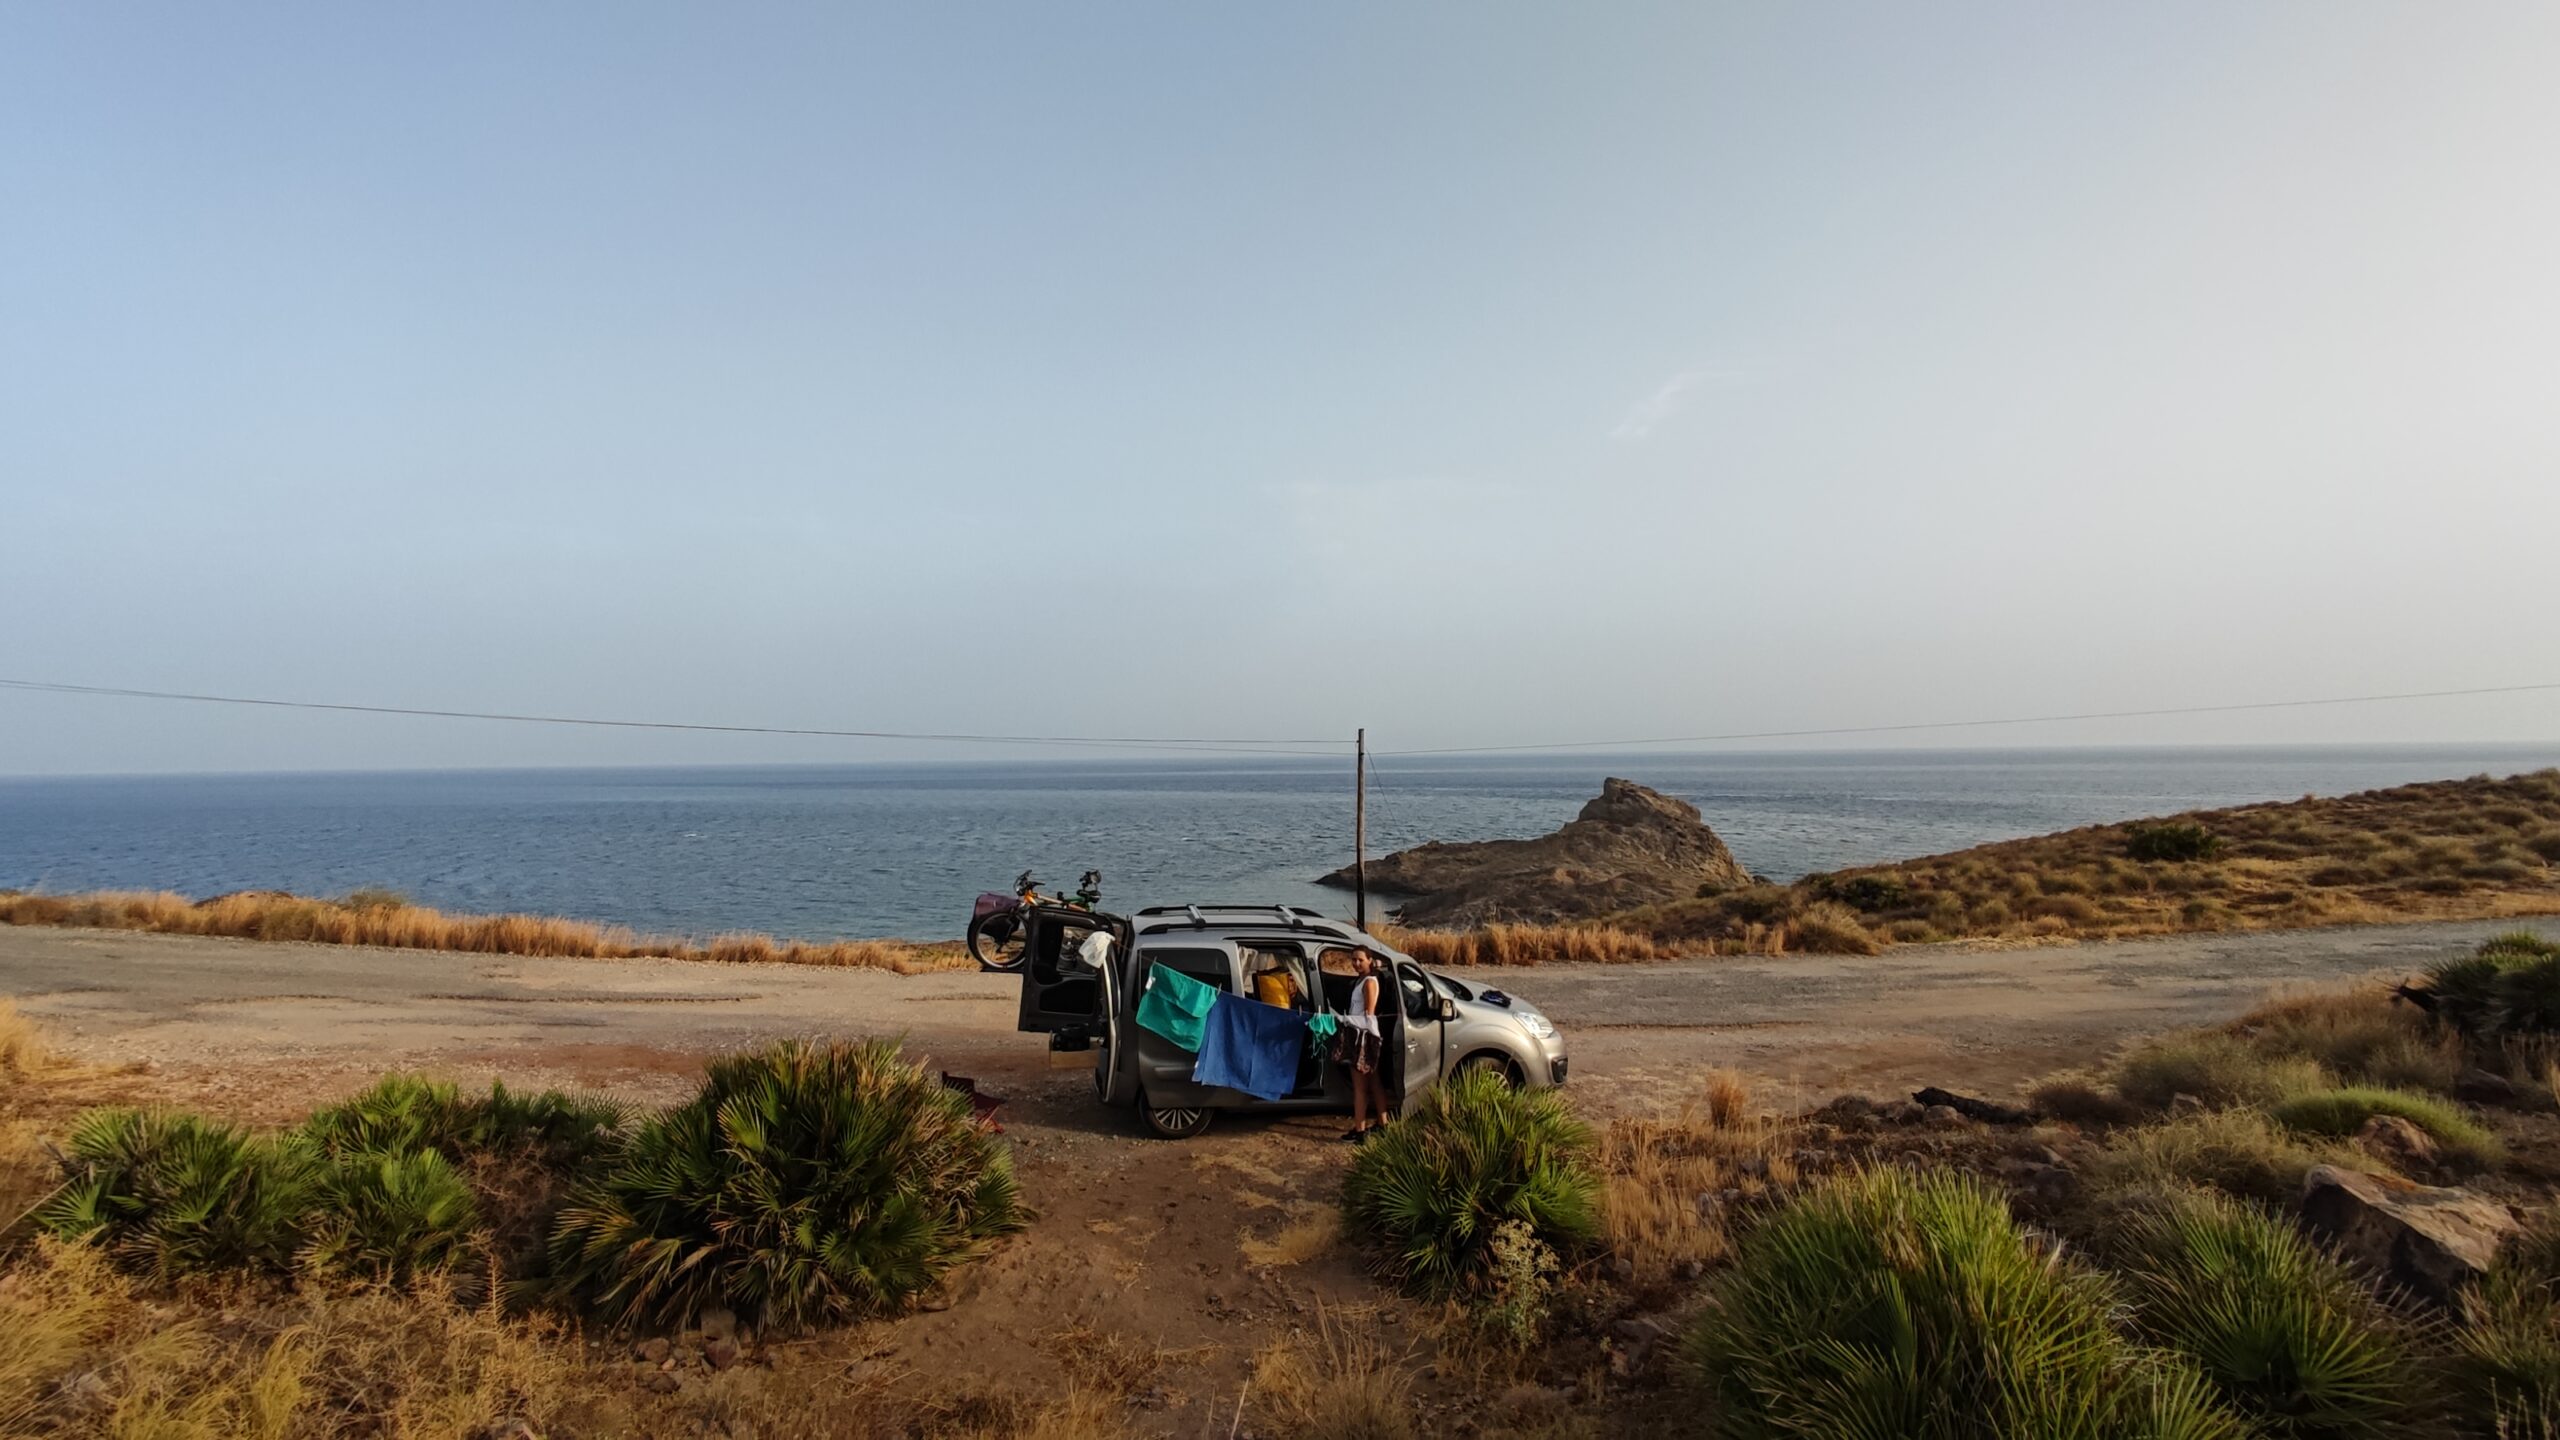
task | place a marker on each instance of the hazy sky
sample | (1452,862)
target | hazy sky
(1480,373)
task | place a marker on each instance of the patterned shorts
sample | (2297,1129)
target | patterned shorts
(1356,1048)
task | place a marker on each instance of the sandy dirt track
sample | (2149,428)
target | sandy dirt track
(223,1010)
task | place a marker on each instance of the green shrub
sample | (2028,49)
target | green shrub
(2510,986)
(398,1113)
(2286,1336)
(806,1184)
(2238,1152)
(171,1193)
(1882,1304)
(1883,891)
(2214,1068)
(563,1132)
(409,1112)
(2339,1114)
(1434,1186)
(392,1215)
(2170,840)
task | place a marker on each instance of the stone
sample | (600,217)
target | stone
(2043,1187)
(664,1383)
(1630,846)
(1901,1112)
(1942,1117)
(719,1325)
(2476,1086)
(720,1354)
(1850,1111)
(2398,1143)
(2428,1240)
(654,1350)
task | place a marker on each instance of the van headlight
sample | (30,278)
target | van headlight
(1536,1024)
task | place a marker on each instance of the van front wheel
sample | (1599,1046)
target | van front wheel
(1174,1122)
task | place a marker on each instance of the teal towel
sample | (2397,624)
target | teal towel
(1176,1006)
(1319,1030)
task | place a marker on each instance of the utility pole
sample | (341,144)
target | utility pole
(1360,828)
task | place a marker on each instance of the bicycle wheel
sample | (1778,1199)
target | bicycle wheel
(997,941)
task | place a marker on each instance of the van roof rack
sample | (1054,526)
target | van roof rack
(1294,916)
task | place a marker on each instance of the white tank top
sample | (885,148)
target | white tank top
(1360,1018)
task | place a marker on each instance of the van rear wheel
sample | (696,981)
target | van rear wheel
(1174,1122)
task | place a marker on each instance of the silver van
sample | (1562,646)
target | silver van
(1433,1025)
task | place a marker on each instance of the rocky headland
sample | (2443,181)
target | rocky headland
(1630,846)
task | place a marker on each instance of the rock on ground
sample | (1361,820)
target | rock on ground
(1630,846)
(2431,1241)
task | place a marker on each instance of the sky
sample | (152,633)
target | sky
(1478,373)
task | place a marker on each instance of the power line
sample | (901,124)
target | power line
(1180,746)
(1972,724)
(1199,746)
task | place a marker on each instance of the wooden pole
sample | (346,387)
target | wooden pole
(1360,829)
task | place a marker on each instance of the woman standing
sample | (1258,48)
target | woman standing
(1356,1044)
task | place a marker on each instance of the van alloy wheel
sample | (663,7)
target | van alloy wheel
(1176,1122)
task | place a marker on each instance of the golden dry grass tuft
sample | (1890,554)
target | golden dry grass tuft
(1657,1173)
(1525,945)
(2454,849)
(2360,1033)
(90,1354)
(1338,1382)
(377,918)
(1312,1230)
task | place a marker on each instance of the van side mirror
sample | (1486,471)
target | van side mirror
(1448,1009)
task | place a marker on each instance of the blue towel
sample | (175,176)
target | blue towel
(1249,1046)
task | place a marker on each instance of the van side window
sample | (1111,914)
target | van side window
(1209,967)
(1278,975)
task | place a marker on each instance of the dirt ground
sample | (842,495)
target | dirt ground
(1167,1246)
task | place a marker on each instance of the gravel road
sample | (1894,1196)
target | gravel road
(281,1025)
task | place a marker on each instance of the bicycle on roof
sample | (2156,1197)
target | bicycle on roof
(998,935)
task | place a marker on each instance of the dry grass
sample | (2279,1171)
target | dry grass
(375,918)
(1662,1217)
(2359,1033)
(1525,945)
(2239,1152)
(1337,1383)
(40,1090)
(2454,849)
(90,1354)
(1313,1232)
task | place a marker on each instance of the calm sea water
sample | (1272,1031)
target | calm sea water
(825,851)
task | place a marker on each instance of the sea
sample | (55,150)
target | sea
(900,849)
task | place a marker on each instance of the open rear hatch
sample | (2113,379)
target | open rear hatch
(1061,992)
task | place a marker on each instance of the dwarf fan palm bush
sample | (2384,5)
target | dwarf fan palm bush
(563,1131)
(1474,1155)
(399,1113)
(408,1112)
(171,1193)
(1882,1305)
(806,1183)
(392,1214)
(2285,1334)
